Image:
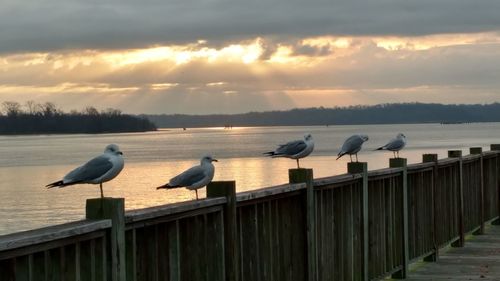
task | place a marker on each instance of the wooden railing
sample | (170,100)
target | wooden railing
(363,225)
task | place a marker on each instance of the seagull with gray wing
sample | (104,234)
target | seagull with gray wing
(352,145)
(195,177)
(395,145)
(294,149)
(102,168)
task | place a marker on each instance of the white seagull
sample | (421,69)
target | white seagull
(352,145)
(195,177)
(102,168)
(294,149)
(395,145)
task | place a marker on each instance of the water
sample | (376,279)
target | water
(28,163)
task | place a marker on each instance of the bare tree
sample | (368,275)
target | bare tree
(11,108)
(90,110)
(31,107)
(111,112)
(49,109)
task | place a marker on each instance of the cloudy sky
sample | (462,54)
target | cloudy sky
(229,56)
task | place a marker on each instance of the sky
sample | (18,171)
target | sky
(233,56)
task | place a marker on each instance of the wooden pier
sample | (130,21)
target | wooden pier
(478,260)
(363,225)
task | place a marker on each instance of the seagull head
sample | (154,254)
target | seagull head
(364,137)
(113,149)
(401,136)
(208,159)
(308,137)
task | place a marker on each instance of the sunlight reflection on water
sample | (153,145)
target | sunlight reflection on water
(27,163)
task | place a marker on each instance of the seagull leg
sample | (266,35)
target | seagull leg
(398,154)
(196,190)
(350,157)
(100,186)
(298,166)
(357,158)
(394,153)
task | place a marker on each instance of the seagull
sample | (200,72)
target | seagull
(294,149)
(195,177)
(352,145)
(102,168)
(395,145)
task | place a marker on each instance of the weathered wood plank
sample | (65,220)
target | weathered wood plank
(306,176)
(174,256)
(22,265)
(373,174)
(7,269)
(51,233)
(337,181)
(269,192)
(170,209)
(131,254)
(479,259)
(114,209)
(231,253)
(361,169)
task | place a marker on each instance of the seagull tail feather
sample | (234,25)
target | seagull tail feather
(55,184)
(167,186)
(340,155)
(270,153)
(380,148)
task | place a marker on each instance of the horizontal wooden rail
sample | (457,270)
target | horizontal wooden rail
(51,233)
(280,190)
(171,209)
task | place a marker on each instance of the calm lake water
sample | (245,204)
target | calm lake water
(28,163)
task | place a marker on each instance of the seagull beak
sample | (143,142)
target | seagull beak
(119,152)
(215,160)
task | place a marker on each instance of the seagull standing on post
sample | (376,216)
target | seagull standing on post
(294,149)
(195,177)
(102,168)
(352,145)
(395,145)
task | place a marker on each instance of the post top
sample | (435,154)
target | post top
(475,150)
(357,167)
(300,175)
(432,157)
(221,189)
(398,162)
(495,147)
(105,199)
(299,169)
(222,182)
(454,153)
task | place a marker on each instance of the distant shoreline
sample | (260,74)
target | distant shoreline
(25,124)
(404,113)
(372,124)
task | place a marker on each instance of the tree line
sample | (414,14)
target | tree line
(397,113)
(47,118)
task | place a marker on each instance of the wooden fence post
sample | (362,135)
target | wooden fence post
(433,158)
(114,209)
(402,163)
(496,147)
(461,227)
(479,150)
(306,176)
(228,189)
(362,168)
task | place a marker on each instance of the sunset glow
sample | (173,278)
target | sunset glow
(313,71)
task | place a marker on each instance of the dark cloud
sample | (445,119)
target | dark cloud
(112,24)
